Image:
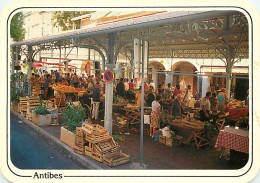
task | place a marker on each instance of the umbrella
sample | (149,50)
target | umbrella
(37,64)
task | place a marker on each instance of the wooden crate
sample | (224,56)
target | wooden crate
(107,146)
(79,141)
(79,150)
(179,138)
(88,151)
(54,120)
(115,159)
(79,132)
(162,139)
(97,156)
(168,141)
(96,138)
(94,129)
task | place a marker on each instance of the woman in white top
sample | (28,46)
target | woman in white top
(187,96)
(156,110)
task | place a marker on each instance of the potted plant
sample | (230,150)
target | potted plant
(16,91)
(73,118)
(41,116)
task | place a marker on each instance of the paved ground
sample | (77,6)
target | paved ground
(156,155)
(30,150)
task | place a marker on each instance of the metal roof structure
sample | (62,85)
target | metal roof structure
(179,34)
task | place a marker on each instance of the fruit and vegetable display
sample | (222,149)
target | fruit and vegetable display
(68,89)
(236,104)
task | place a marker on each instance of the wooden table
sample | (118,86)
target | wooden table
(132,115)
(228,140)
(195,131)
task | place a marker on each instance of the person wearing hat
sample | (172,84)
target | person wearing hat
(222,100)
(177,109)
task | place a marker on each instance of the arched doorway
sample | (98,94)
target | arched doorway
(184,80)
(158,78)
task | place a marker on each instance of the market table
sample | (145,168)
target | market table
(192,129)
(62,94)
(232,141)
(235,113)
(132,115)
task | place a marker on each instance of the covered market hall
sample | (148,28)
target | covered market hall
(179,84)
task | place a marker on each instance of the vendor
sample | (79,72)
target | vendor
(46,83)
(64,82)
(150,97)
(177,90)
(222,100)
(156,110)
(205,107)
(177,109)
(138,97)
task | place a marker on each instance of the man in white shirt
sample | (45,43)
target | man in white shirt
(126,85)
(205,107)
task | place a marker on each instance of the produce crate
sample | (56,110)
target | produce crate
(79,141)
(88,151)
(115,159)
(23,106)
(78,149)
(108,146)
(79,132)
(97,156)
(54,120)
(96,138)
(162,139)
(168,141)
(94,129)
(179,138)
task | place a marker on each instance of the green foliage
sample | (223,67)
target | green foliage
(174,140)
(41,110)
(117,137)
(16,90)
(74,116)
(166,112)
(63,19)
(17,31)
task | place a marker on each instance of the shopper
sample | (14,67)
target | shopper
(96,101)
(187,96)
(131,84)
(57,75)
(126,85)
(177,90)
(247,98)
(177,109)
(75,80)
(213,102)
(46,83)
(222,100)
(156,110)
(120,88)
(150,97)
(68,78)
(205,107)
(138,97)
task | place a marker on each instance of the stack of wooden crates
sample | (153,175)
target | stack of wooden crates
(32,104)
(23,106)
(94,141)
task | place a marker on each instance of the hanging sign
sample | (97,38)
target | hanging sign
(108,76)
